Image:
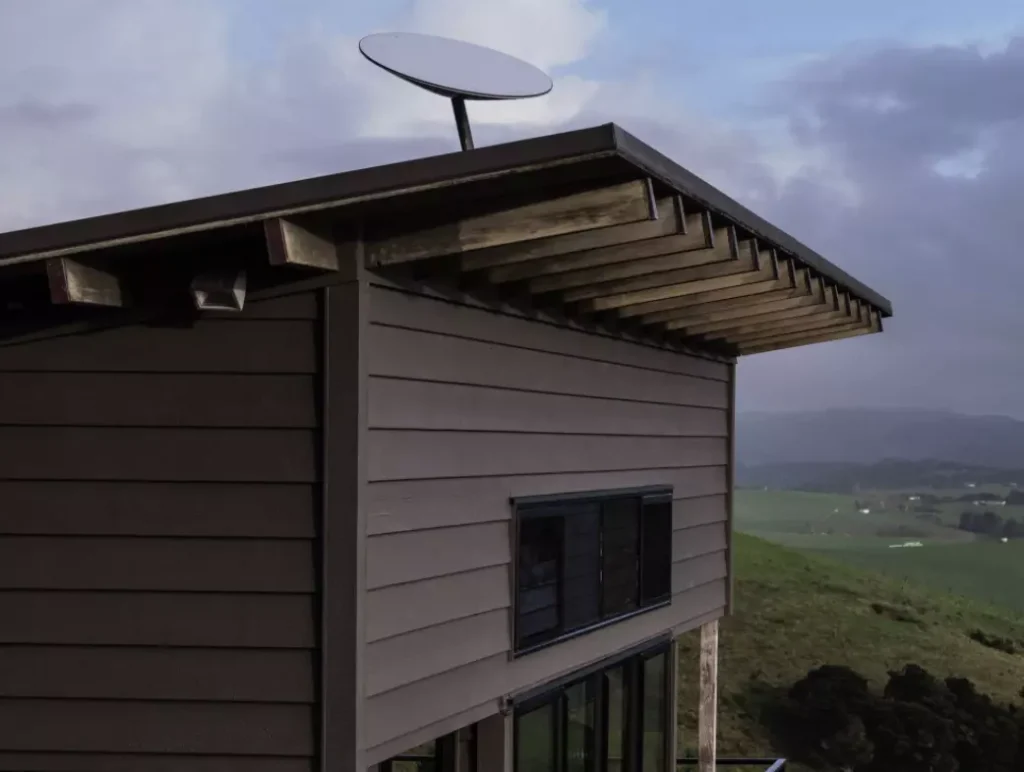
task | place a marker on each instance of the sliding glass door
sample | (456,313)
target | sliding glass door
(610,719)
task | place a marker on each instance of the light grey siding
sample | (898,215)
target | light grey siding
(467,408)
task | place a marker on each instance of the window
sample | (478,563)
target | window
(588,559)
(653,712)
(613,718)
(445,754)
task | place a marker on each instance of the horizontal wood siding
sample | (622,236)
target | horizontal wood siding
(467,408)
(157,538)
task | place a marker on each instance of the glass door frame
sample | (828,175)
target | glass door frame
(554,694)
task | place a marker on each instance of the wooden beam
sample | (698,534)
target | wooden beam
(743,295)
(820,328)
(700,322)
(796,327)
(808,339)
(292,244)
(693,232)
(633,266)
(738,257)
(706,318)
(627,202)
(75,282)
(671,221)
(694,306)
(672,284)
(707,721)
(830,307)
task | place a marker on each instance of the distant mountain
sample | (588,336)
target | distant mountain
(868,436)
(891,474)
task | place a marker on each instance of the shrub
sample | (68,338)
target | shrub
(831,720)
(1005,645)
(896,613)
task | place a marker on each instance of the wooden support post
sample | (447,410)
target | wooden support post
(708,715)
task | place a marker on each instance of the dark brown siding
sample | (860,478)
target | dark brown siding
(157,573)
(468,407)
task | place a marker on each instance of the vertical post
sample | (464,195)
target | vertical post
(708,714)
(462,122)
(730,481)
(494,743)
(341,580)
(672,707)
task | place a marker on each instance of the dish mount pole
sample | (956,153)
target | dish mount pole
(462,122)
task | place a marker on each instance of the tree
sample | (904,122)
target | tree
(991,524)
(820,720)
(831,720)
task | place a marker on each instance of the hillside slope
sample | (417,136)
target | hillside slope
(796,612)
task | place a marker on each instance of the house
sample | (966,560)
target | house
(429,455)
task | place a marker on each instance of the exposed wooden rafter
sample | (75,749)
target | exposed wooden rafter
(290,243)
(619,204)
(776,281)
(825,304)
(808,338)
(75,282)
(673,228)
(631,259)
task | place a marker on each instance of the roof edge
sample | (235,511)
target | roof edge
(222,209)
(663,168)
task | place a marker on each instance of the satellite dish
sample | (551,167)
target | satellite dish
(454,69)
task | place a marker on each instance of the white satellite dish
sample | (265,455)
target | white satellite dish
(454,69)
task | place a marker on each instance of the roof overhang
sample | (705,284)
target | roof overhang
(592,226)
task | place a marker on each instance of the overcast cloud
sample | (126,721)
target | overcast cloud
(902,164)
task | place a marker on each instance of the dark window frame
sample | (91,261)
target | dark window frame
(631,663)
(525,508)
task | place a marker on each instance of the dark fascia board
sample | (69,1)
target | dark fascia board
(379,182)
(670,173)
(311,194)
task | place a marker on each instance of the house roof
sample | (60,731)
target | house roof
(592,225)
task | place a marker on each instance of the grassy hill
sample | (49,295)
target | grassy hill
(796,611)
(951,561)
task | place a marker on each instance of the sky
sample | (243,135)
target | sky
(886,136)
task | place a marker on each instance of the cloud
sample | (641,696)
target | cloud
(901,164)
(108,104)
(941,245)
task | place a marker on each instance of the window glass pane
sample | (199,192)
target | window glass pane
(427,753)
(535,740)
(615,719)
(540,547)
(656,569)
(620,556)
(654,714)
(579,728)
(582,567)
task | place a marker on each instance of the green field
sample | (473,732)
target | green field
(831,521)
(796,611)
(949,560)
(989,571)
